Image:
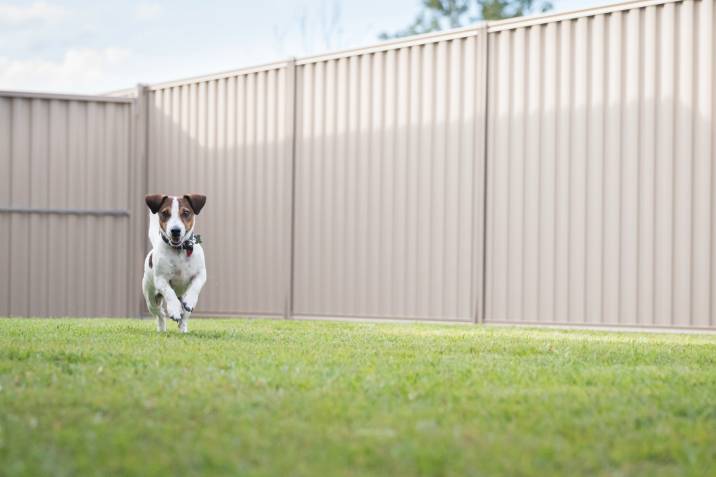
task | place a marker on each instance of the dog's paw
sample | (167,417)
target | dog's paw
(174,310)
(186,306)
(188,302)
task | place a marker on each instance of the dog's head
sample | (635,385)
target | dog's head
(176,214)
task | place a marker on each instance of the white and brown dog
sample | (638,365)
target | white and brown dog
(174,270)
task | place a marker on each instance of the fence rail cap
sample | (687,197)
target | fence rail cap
(68,211)
(414,40)
(64,97)
(550,17)
(220,75)
(122,93)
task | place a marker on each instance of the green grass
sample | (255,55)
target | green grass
(240,397)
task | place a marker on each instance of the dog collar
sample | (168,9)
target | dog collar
(187,244)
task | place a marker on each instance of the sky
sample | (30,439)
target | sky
(91,47)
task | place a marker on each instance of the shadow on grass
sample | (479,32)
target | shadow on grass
(150,331)
(172,332)
(211,335)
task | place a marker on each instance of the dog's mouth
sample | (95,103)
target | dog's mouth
(172,240)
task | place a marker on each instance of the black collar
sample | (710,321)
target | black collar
(187,244)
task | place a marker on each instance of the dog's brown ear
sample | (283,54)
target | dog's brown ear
(154,201)
(196,201)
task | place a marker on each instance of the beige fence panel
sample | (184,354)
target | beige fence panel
(229,136)
(389,180)
(353,184)
(601,194)
(64,199)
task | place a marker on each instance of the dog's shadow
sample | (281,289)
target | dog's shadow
(151,331)
(210,335)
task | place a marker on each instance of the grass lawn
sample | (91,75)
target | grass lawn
(240,397)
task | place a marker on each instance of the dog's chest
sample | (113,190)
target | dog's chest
(179,269)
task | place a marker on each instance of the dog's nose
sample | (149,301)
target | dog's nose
(176,231)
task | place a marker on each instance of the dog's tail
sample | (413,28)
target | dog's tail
(153,229)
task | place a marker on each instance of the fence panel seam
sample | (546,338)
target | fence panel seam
(291,98)
(484,83)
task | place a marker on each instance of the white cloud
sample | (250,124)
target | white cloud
(80,69)
(147,11)
(38,12)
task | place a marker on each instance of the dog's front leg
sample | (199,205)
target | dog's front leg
(172,303)
(190,299)
(184,323)
(191,295)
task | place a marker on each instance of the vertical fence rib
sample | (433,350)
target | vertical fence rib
(139,182)
(480,212)
(291,182)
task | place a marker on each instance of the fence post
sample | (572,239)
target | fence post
(480,223)
(137,189)
(290,146)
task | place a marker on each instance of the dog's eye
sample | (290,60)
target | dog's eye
(166,214)
(185,213)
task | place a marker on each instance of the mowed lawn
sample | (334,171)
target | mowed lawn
(242,397)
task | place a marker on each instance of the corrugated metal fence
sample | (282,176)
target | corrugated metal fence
(389,180)
(230,136)
(353,184)
(65,167)
(601,187)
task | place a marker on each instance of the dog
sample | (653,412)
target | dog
(174,270)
